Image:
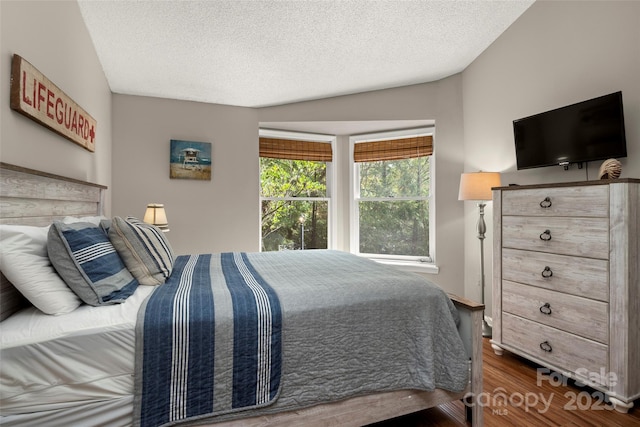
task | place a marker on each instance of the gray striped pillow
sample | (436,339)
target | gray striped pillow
(84,257)
(144,249)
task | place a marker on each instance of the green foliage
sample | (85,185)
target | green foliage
(281,224)
(292,178)
(395,178)
(395,227)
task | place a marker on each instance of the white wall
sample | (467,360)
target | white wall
(555,54)
(51,35)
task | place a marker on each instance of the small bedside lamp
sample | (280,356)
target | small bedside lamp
(156,215)
(477,186)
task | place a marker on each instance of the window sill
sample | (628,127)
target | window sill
(413,266)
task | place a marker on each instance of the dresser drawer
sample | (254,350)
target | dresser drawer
(589,201)
(587,237)
(564,350)
(585,277)
(581,316)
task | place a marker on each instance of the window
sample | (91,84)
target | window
(391,218)
(295,178)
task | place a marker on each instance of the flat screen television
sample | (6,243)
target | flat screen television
(582,132)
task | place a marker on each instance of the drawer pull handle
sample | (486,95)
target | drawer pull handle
(546,235)
(546,203)
(546,273)
(545,346)
(546,309)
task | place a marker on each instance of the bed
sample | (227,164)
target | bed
(367,360)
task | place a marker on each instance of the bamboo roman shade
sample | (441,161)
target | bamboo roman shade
(295,150)
(393,149)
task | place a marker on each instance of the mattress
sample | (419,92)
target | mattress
(53,363)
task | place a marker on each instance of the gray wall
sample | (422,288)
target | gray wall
(555,54)
(204,216)
(440,101)
(223,214)
(51,35)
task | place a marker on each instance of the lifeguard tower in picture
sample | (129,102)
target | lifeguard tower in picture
(191,158)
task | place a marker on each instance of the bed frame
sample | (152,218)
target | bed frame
(31,197)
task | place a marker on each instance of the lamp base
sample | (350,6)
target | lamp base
(486,329)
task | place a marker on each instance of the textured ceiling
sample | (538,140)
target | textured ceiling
(261,53)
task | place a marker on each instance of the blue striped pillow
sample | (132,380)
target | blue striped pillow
(144,249)
(86,260)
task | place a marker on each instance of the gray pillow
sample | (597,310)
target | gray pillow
(144,249)
(86,260)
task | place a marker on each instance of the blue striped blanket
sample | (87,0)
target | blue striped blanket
(350,326)
(208,342)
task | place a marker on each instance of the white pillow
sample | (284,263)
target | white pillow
(24,261)
(24,238)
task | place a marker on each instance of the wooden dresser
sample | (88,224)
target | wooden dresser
(566,290)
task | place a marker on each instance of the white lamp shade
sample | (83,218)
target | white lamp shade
(477,185)
(157,216)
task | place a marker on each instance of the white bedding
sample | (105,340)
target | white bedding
(38,351)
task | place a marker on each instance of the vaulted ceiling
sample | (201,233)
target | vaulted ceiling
(258,53)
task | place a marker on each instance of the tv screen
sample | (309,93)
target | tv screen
(583,132)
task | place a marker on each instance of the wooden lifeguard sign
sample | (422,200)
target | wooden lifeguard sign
(36,97)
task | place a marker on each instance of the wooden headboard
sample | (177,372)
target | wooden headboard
(31,197)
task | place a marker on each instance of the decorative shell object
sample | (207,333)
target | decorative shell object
(610,169)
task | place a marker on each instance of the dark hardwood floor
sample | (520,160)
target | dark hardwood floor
(530,400)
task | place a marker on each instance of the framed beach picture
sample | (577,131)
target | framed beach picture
(190,160)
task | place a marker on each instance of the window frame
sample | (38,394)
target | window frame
(330,177)
(425,263)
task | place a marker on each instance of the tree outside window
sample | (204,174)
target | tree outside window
(294,200)
(394,207)
(391,197)
(389,213)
